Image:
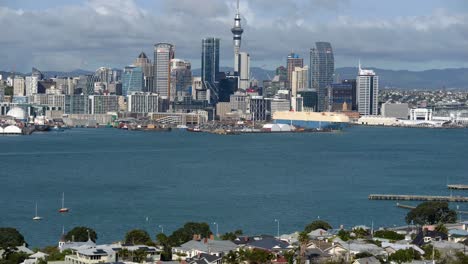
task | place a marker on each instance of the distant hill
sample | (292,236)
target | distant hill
(429,79)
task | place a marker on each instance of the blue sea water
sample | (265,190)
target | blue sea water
(117,180)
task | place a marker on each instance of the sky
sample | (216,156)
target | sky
(64,35)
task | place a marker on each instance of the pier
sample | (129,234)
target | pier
(457,186)
(459,199)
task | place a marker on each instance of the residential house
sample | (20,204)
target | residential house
(426,236)
(34,258)
(209,246)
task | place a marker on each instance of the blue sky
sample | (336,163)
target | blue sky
(393,34)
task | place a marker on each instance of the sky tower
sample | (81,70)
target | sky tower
(237,36)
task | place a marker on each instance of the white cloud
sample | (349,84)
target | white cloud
(112,33)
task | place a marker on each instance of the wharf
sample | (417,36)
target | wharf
(460,199)
(457,186)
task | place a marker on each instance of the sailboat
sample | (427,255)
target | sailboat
(36,217)
(63,209)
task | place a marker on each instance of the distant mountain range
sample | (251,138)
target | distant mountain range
(422,80)
(429,79)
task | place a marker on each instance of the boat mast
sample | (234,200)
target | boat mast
(63,200)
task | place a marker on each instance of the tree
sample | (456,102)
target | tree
(303,242)
(404,255)
(344,235)
(430,213)
(13,257)
(81,234)
(139,255)
(289,256)
(231,235)
(316,225)
(430,252)
(256,256)
(55,254)
(363,255)
(185,233)
(441,228)
(388,234)
(231,258)
(138,237)
(163,240)
(10,237)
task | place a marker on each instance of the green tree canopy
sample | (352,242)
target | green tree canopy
(429,213)
(10,237)
(138,237)
(316,225)
(80,234)
(389,234)
(231,235)
(185,233)
(404,255)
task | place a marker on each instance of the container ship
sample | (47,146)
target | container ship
(312,120)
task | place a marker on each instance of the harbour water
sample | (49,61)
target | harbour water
(118,180)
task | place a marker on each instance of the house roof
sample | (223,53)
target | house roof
(368,260)
(402,246)
(268,243)
(211,246)
(458,232)
(38,255)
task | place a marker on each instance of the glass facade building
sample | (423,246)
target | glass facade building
(132,80)
(321,72)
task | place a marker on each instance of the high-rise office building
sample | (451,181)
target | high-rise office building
(210,66)
(143,103)
(181,78)
(321,73)
(340,97)
(19,85)
(300,79)
(243,59)
(299,82)
(145,64)
(367,92)
(163,54)
(102,104)
(352,82)
(293,61)
(132,80)
(31,84)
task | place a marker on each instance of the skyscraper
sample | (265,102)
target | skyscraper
(367,92)
(210,66)
(322,68)
(145,64)
(181,78)
(163,54)
(237,36)
(132,80)
(293,62)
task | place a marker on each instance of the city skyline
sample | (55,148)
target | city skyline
(128,27)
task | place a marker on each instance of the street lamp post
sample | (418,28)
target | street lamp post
(217,230)
(162,228)
(278,224)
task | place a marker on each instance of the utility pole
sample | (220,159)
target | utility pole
(278,224)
